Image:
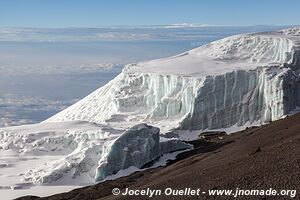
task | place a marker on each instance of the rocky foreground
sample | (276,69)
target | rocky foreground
(256,158)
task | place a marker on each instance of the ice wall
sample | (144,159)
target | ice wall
(138,146)
(239,97)
(262,94)
(136,98)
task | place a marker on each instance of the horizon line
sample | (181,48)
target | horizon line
(178,25)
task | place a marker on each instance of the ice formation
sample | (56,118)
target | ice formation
(75,151)
(236,81)
(137,147)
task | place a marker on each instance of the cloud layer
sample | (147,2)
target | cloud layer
(17,110)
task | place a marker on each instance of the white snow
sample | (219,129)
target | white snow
(41,153)
(239,52)
(291,31)
(64,154)
(41,191)
(229,84)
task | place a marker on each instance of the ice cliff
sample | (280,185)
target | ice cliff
(233,81)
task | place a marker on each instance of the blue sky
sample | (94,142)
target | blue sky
(95,13)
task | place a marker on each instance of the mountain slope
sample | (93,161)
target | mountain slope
(256,158)
(239,81)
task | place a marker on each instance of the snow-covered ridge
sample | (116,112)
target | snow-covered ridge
(239,52)
(252,49)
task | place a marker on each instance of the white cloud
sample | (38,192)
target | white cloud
(4,122)
(56,69)
(17,110)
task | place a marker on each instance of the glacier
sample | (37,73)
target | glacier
(237,81)
(233,81)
